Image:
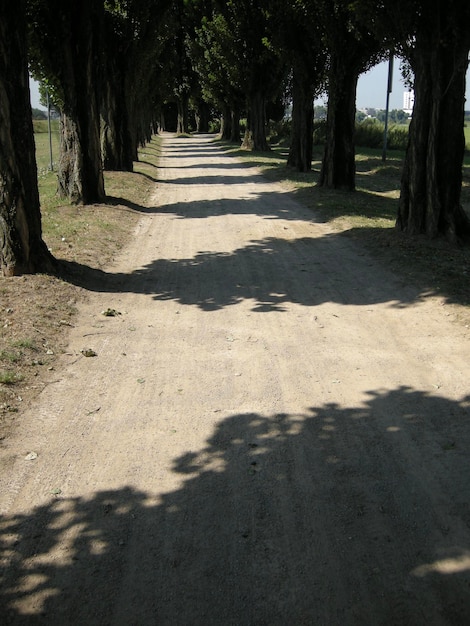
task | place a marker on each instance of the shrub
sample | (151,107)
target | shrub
(279,131)
(319,132)
(369,134)
(397,137)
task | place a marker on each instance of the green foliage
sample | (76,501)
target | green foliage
(319,132)
(370,134)
(38,114)
(280,132)
(9,378)
(397,137)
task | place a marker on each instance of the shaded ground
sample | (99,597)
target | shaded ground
(275,429)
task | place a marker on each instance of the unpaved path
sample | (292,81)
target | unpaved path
(274,430)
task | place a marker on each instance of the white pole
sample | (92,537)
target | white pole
(49,128)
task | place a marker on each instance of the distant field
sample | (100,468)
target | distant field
(467,136)
(41,138)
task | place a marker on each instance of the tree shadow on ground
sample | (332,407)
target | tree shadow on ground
(336,515)
(138,208)
(271,272)
(161,278)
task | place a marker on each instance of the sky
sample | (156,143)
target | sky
(371,89)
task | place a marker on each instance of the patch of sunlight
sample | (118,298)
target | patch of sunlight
(449,565)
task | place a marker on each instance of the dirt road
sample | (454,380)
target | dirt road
(274,430)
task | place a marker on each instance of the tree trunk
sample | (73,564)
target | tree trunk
(116,142)
(73,55)
(338,166)
(235,126)
(70,179)
(301,146)
(255,134)
(182,127)
(432,175)
(226,124)
(86,107)
(202,117)
(22,249)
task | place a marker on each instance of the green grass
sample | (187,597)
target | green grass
(11,357)
(368,216)
(24,343)
(374,203)
(9,378)
(41,138)
(467,136)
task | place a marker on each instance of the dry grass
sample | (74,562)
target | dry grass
(36,311)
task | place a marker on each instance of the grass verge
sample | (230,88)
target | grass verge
(368,216)
(37,310)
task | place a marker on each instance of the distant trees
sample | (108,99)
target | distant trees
(240,65)
(220,73)
(39,114)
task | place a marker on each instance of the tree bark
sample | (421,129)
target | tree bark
(432,175)
(301,145)
(235,126)
(67,36)
(116,142)
(70,161)
(182,126)
(82,102)
(202,117)
(22,249)
(255,134)
(226,124)
(338,167)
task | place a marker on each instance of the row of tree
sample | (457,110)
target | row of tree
(110,66)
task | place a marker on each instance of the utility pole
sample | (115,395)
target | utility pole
(389,91)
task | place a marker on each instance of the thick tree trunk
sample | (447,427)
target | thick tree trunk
(202,117)
(69,176)
(226,124)
(21,246)
(432,175)
(69,37)
(230,125)
(182,127)
(80,171)
(255,134)
(301,145)
(116,142)
(85,109)
(235,126)
(338,166)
